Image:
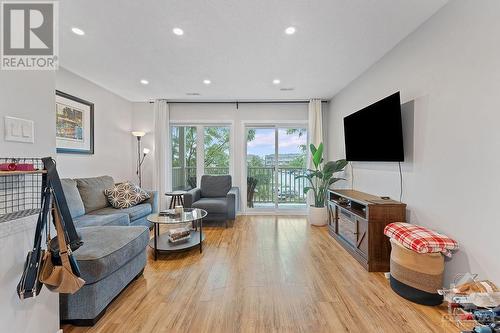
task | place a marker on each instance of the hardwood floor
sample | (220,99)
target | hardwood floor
(264,274)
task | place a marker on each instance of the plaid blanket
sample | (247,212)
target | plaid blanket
(420,239)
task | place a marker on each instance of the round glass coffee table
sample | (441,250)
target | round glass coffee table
(193,216)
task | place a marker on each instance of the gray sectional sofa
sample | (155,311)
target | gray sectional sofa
(114,249)
(89,206)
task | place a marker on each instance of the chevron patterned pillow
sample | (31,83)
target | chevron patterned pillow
(125,195)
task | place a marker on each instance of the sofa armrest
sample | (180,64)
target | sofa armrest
(233,200)
(191,196)
(153,201)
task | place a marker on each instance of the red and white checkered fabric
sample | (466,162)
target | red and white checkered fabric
(420,239)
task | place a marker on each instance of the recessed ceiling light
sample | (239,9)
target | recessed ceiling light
(178,31)
(276,81)
(207,81)
(78,31)
(144,81)
(290,30)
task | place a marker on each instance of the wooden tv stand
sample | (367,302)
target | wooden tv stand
(357,221)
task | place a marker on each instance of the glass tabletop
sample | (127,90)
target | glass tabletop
(189,215)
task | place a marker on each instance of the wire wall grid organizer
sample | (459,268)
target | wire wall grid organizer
(20,190)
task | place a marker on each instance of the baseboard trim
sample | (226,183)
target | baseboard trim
(275,213)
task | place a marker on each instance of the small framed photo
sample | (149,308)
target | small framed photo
(74,124)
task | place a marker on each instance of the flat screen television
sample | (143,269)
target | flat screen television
(375,133)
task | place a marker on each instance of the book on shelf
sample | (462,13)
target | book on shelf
(179,234)
(179,240)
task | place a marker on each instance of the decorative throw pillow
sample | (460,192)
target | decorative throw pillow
(125,195)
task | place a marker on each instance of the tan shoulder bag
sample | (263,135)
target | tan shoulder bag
(60,279)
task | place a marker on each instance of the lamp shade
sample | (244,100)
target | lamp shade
(146,151)
(138,133)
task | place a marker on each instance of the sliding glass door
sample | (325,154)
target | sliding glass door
(276,156)
(261,176)
(291,163)
(199,150)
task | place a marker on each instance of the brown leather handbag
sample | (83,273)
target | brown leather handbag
(60,278)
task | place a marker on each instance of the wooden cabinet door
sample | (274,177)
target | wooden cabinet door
(362,237)
(347,227)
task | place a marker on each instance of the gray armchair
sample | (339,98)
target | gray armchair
(217,196)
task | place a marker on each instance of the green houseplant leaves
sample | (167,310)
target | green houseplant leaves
(322,176)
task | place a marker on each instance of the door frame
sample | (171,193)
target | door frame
(243,165)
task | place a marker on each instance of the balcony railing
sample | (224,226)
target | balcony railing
(185,178)
(216,171)
(290,189)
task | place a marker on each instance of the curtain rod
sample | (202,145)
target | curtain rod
(241,102)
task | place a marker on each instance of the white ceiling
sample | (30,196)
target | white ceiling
(239,45)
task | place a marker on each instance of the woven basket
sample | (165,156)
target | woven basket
(416,276)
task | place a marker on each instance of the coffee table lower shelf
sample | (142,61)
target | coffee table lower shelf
(163,245)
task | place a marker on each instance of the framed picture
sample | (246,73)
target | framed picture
(74,124)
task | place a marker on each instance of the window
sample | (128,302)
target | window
(216,152)
(183,157)
(199,150)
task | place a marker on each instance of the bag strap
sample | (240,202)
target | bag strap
(66,220)
(63,247)
(47,233)
(42,218)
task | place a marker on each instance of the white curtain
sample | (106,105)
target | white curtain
(162,150)
(314,134)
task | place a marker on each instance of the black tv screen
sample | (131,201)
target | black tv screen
(375,133)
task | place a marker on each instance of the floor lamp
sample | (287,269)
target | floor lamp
(140,159)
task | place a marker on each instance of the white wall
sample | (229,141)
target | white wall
(450,68)
(114,149)
(30,95)
(143,119)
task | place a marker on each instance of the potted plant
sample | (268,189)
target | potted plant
(320,180)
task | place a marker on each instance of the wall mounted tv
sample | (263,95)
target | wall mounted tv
(375,133)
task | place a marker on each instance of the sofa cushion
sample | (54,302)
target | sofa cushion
(125,195)
(212,205)
(134,212)
(73,198)
(215,186)
(106,249)
(92,191)
(117,219)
